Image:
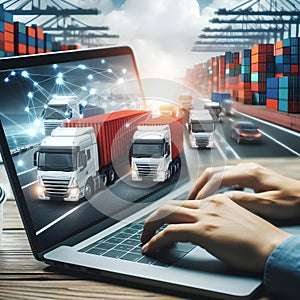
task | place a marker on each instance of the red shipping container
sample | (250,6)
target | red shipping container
(20,49)
(30,50)
(259,87)
(262,48)
(112,135)
(2,36)
(9,47)
(8,27)
(30,32)
(40,33)
(295,68)
(8,37)
(272,104)
(259,67)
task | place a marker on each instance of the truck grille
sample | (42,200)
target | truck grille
(56,188)
(202,141)
(147,169)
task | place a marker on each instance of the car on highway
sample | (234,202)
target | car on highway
(245,131)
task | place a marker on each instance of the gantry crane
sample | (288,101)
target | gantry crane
(60,21)
(254,21)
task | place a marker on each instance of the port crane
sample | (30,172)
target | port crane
(252,22)
(57,17)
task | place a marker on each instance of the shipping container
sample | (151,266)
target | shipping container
(113,131)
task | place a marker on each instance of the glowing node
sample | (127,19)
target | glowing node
(25,74)
(120,80)
(35,84)
(20,163)
(109,70)
(82,67)
(6,79)
(31,132)
(90,77)
(37,122)
(124,71)
(84,88)
(45,106)
(12,73)
(30,95)
(103,61)
(59,80)
(60,75)
(55,66)
(27,109)
(93,91)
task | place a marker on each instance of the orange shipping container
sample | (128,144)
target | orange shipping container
(9,47)
(272,104)
(8,37)
(8,27)
(30,31)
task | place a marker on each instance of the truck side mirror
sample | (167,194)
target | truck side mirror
(168,150)
(82,161)
(35,155)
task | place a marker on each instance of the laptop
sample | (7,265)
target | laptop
(96,228)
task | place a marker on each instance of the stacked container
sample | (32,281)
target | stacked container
(272,93)
(215,73)
(289,94)
(30,40)
(20,47)
(245,92)
(39,38)
(232,71)
(262,67)
(47,42)
(6,33)
(287,57)
(222,69)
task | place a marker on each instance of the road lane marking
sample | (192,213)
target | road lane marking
(27,171)
(271,124)
(58,219)
(227,146)
(29,184)
(279,143)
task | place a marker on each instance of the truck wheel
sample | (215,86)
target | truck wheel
(111,176)
(169,172)
(104,178)
(88,190)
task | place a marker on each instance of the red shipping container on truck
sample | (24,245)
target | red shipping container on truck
(113,131)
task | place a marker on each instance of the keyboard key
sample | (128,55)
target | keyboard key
(114,253)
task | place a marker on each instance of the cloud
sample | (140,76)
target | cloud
(162,33)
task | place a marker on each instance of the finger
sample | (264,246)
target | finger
(170,235)
(269,203)
(167,214)
(204,178)
(234,176)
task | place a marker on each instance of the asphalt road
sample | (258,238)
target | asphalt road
(276,142)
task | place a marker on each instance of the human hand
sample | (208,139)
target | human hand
(275,196)
(225,229)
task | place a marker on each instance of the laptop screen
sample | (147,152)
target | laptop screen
(69,119)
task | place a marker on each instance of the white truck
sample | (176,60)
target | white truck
(201,128)
(60,109)
(156,148)
(76,159)
(63,166)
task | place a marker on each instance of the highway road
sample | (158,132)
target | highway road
(276,142)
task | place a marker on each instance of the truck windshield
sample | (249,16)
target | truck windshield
(52,161)
(147,150)
(202,127)
(57,112)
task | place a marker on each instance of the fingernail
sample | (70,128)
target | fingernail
(145,248)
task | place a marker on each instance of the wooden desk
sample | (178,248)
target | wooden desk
(23,277)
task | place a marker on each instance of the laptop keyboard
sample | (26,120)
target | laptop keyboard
(125,244)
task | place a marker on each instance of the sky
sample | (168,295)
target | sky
(161,32)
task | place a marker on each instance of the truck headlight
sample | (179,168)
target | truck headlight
(41,191)
(73,192)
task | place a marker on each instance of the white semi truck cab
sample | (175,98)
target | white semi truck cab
(201,128)
(60,109)
(67,164)
(156,148)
